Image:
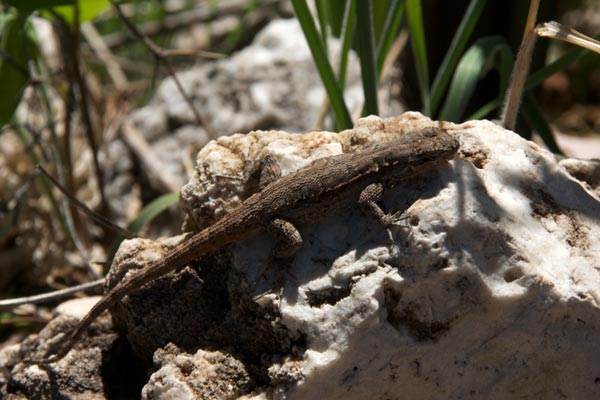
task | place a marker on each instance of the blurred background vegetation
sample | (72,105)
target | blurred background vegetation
(71,71)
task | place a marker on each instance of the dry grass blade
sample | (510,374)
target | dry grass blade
(104,54)
(557,31)
(160,54)
(520,69)
(9,304)
(95,216)
(151,162)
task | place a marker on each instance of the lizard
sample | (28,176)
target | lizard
(282,202)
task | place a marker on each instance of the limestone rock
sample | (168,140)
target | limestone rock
(488,287)
(490,290)
(82,374)
(204,375)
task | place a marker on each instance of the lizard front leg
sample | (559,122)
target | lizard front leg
(288,239)
(268,171)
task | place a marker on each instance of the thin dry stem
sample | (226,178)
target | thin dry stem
(193,53)
(520,69)
(160,54)
(90,129)
(100,219)
(104,54)
(9,304)
(534,5)
(557,31)
(395,50)
(149,159)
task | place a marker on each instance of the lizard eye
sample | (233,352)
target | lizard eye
(379,162)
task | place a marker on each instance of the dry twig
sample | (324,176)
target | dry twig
(100,219)
(9,304)
(159,54)
(520,69)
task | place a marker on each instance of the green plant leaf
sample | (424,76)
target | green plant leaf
(414,16)
(559,64)
(27,6)
(459,41)
(346,36)
(388,32)
(148,213)
(323,17)
(486,109)
(88,10)
(487,52)
(5,316)
(320,58)
(16,46)
(152,209)
(365,36)
(335,15)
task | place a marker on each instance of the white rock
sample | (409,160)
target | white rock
(204,375)
(77,307)
(490,289)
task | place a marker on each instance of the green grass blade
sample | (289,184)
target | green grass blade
(148,213)
(486,109)
(152,209)
(346,34)
(32,5)
(88,10)
(13,63)
(320,58)
(335,16)
(471,67)
(417,36)
(380,12)
(388,33)
(365,37)
(545,72)
(323,17)
(533,115)
(459,41)
(34,159)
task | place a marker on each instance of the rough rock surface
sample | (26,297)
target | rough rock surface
(488,288)
(587,171)
(205,375)
(83,374)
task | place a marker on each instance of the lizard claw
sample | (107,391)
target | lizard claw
(394,219)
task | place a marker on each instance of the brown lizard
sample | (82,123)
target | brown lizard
(299,197)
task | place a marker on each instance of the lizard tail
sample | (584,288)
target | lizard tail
(106,302)
(199,244)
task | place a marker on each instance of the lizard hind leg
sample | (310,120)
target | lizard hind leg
(288,239)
